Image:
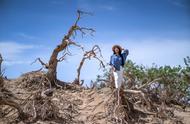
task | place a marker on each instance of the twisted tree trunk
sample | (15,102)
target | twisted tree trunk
(77,80)
(66,41)
(52,65)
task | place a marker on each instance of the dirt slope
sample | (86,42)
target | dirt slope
(74,106)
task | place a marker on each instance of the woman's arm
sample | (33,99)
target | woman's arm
(125,53)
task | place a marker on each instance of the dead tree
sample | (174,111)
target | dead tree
(66,41)
(93,53)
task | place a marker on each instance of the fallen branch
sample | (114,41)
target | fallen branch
(149,83)
(141,93)
(15,105)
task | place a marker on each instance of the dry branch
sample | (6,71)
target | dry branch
(148,83)
(41,62)
(6,98)
(15,105)
(93,53)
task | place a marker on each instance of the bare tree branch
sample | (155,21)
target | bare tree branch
(41,62)
(88,55)
(149,83)
(63,57)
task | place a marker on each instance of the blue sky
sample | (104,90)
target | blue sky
(154,31)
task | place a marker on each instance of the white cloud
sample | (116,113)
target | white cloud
(169,52)
(17,62)
(24,35)
(146,52)
(12,51)
(161,52)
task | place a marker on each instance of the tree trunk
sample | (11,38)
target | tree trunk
(77,80)
(52,66)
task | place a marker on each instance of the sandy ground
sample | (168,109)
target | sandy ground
(90,105)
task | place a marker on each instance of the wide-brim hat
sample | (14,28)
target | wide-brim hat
(117,46)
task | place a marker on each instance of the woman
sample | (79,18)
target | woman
(117,62)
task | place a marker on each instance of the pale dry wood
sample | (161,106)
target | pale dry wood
(149,83)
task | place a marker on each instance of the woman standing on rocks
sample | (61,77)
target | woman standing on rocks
(117,62)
